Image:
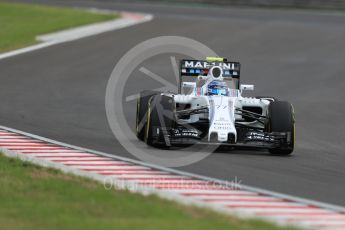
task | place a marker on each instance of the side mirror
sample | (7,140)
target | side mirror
(189,84)
(246,87)
(188,87)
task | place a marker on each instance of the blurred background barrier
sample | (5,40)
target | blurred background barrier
(307,4)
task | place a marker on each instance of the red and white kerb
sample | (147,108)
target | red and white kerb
(239,200)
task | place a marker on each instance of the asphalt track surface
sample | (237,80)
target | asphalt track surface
(58,92)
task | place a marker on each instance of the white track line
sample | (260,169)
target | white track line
(127,19)
(47,155)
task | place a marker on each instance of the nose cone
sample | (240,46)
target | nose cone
(222,119)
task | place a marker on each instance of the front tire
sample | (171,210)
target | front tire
(281,119)
(160,116)
(141,118)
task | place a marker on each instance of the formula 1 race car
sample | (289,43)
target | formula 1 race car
(209,109)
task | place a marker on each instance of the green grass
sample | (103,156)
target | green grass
(32,197)
(21,23)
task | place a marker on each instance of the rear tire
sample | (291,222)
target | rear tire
(160,114)
(281,119)
(141,119)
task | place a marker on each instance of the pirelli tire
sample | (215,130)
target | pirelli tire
(141,117)
(281,119)
(160,116)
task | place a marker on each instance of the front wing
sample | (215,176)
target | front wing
(250,139)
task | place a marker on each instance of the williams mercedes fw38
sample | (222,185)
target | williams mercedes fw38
(210,109)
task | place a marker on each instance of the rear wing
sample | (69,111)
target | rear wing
(190,69)
(201,67)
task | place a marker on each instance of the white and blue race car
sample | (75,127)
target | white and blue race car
(210,109)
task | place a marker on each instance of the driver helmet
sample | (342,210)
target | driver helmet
(217,87)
